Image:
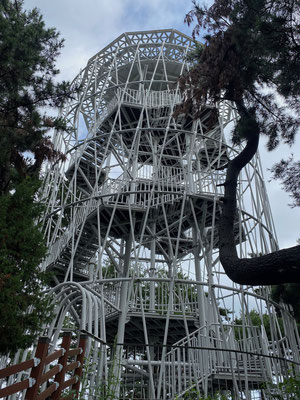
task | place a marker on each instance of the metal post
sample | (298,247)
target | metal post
(118,354)
(36,372)
(200,290)
(152,268)
(78,371)
(60,377)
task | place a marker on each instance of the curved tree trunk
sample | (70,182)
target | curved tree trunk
(282,266)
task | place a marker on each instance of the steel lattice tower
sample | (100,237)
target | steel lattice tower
(131,227)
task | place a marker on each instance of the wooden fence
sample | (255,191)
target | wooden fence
(51,373)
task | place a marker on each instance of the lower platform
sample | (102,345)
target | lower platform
(134,331)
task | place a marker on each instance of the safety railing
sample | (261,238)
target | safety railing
(202,354)
(182,299)
(154,296)
(47,375)
(141,193)
(149,98)
(80,215)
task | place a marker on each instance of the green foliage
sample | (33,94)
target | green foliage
(27,63)
(108,269)
(193,394)
(23,306)
(288,171)
(254,319)
(250,57)
(105,389)
(289,294)
(288,389)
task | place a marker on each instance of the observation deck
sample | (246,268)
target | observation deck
(137,206)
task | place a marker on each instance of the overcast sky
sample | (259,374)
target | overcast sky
(89,25)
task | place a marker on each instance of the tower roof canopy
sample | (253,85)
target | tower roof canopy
(141,38)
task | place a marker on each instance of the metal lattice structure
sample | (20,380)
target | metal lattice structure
(131,226)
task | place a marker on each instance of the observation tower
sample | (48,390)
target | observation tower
(131,227)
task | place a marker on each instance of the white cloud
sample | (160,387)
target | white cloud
(88,27)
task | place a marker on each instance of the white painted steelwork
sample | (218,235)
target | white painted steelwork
(131,226)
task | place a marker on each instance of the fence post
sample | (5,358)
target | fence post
(80,358)
(60,377)
(36,372)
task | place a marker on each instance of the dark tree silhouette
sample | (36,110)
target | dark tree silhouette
(28,51)
(251,58)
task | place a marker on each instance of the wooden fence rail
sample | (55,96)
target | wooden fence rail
(46,380)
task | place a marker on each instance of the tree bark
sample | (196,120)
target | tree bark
(282,266)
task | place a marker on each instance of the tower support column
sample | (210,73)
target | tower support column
(200,290)
(118,354)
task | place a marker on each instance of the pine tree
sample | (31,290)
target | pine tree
(250,58)
(28,51)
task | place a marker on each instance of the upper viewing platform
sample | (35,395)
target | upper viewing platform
(176,42)
(140,61)
(129,153)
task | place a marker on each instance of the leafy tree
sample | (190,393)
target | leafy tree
(23,307)
(255,319)
(289,173)
(250,58)
(289,294)
(289,388)
(28,51)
